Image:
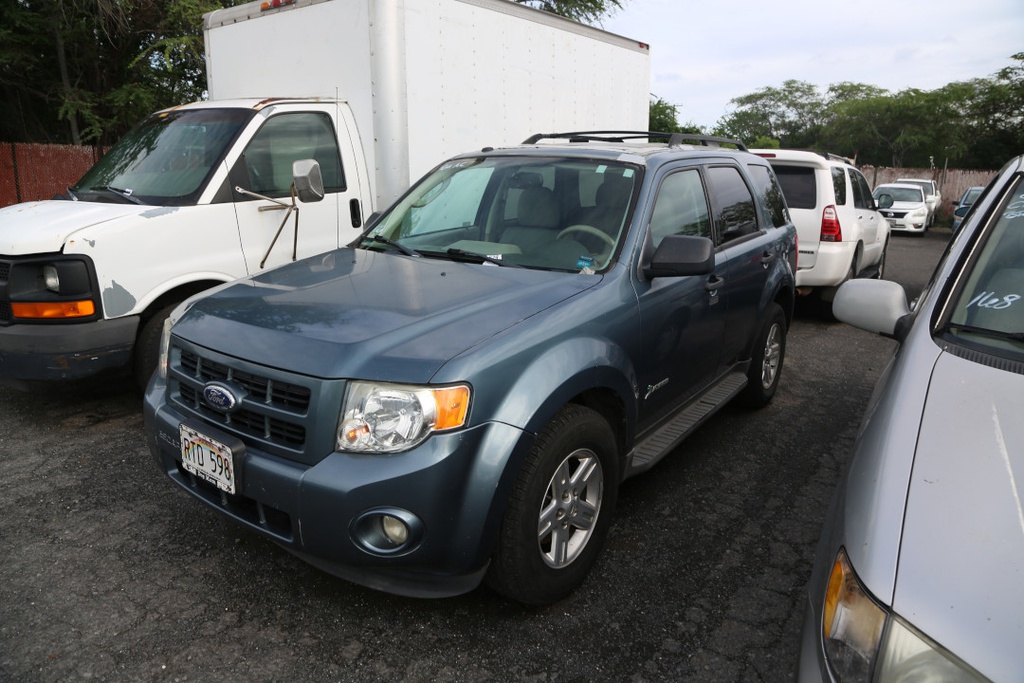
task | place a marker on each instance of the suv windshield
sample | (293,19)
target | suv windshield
(539,212)
(165,160)
(989,311)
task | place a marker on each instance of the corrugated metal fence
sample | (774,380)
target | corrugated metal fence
(29,172)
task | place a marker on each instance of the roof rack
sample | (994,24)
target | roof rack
(673,139)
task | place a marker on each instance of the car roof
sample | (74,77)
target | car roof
(899,186)
(802,157)
(645,147)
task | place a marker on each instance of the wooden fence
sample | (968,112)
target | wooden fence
(29,172)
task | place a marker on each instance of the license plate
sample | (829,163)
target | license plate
(207,458)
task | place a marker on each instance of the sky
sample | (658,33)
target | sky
(703,54)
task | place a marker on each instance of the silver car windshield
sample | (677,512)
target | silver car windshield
(990,307)
(535,212)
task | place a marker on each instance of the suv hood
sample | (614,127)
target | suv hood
(372,315)
(44,227)
(961,564)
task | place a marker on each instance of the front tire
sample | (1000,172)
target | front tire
(559,510)
(766,363)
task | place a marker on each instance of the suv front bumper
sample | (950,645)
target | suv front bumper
(451,489)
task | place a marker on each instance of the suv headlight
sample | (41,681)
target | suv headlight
(390,418)
(858,632)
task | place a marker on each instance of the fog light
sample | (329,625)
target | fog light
(387,531)
(395,529)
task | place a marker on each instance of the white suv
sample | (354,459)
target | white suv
(841,233)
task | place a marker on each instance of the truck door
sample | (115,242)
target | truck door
(682,319)
(265,167)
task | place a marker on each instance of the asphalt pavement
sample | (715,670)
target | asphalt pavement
(109,573)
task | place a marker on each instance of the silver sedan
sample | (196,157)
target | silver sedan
(920,568)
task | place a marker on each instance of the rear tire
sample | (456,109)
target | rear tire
(559,510)
(768,356)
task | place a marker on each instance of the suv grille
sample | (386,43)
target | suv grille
(273,413)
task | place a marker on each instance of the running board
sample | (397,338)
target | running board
(659,444)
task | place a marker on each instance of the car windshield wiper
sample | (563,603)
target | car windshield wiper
(119,192)
(462,253)
(985,332)
(381,239)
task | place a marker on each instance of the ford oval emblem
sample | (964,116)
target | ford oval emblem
(220,397)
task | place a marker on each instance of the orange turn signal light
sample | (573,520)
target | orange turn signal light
(52,310)
(452,406)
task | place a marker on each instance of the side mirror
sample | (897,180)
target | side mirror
(680,255)
(877,306)
(961,211)
(884,200)
(308,181)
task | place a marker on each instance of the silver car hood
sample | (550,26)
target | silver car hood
(960,576)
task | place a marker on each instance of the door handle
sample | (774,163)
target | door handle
(355,213)
(767,257)
(714,283)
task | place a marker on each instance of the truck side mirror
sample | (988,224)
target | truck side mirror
(308,181)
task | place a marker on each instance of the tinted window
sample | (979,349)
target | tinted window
(839,185)
(861,191)
(681,207)
(798,186)
(768,188)
(287,138)
(735,214)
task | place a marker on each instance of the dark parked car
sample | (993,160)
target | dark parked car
(961,207)
(920,569)
(459,393)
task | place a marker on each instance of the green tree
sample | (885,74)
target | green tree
(790,113)
(83,71)
(585,11)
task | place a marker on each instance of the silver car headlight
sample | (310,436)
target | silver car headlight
(919,212)
(390,418)
(859,634)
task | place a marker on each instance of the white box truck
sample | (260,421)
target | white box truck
(376,91)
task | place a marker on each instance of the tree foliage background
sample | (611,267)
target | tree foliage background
(969,124)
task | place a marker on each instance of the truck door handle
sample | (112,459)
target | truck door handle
(355,213)
(767,257)
(714,283)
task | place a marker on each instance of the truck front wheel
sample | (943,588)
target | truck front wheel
(147,346)
(559,510)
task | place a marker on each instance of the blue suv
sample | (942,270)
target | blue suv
(457,396)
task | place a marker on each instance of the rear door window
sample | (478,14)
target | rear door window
(734,210)
(768,188)
(839,185)
(798,186)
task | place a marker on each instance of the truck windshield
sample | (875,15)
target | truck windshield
(166,160)
(553,213)
(989,310)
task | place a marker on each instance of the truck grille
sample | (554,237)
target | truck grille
(5,312)
(5,271)
(273,414)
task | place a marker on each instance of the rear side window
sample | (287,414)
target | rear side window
(768,188)
(839,184)
(734,209)
(798,186)
(861,191)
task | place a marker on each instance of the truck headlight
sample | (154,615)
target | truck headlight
(389,418)
(856,635)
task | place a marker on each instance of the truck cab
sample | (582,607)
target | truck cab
(193,197)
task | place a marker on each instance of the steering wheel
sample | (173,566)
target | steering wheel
(588,230)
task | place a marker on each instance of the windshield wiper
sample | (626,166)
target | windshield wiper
(985,332)
(122,193)
(381,239)
(462,253)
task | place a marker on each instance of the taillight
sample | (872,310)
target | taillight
(830,230)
